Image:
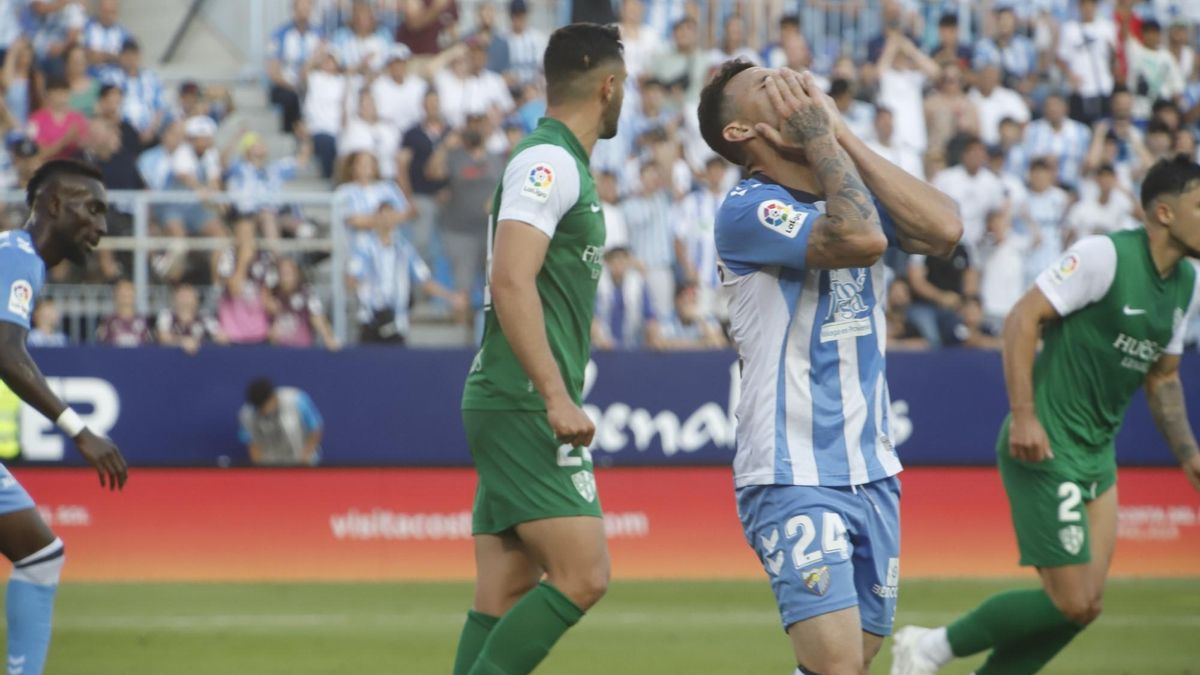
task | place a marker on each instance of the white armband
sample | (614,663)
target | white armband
(71,423)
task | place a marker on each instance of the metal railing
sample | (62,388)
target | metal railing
(141,244)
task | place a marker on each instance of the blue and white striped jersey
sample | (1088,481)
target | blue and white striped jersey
(293,47)
(100,38)
(814,406)
(1069,145)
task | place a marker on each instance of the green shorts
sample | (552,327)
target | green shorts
(1049,512)
(524,472)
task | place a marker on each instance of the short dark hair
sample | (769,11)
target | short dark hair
(130,45)
(57,83)
(971,140)
(790,20)
(1163,104)
(575,50)
(714,112)
(1151,24)
(1158,127)
(259,391)
(838,87)
(53,170)
(106,89)
(948,20)
(1169,177)
(1106,168)
(1039,163)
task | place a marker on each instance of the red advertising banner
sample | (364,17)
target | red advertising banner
(412,524)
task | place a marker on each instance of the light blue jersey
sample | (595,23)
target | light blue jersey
(22,274)
(814,404)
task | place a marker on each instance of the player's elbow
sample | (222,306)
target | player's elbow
(948,234)
(861,249)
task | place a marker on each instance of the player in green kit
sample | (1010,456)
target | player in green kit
(1112,314)
(536,509)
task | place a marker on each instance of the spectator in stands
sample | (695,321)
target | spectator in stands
(280,426)
(384,268)
(625,317)
(682,64)
(417,147)
(973,331)
(124,328)
(949,51)
(941,287)
(901,334)
(695,246)
(949,112)
(616,233)
(26,158)
(886,145)
(690,327)
(60,132)
(1102,207)
(903,71)
(1085,53)
(248,276)
(640,41)
(1012,144)
(362,47)
(84,89)
(652,241)
(397,93)
(196,166)
(8,171)
(776,55)
(472,174)
(1046,207)
(1011,52)
(1179,44)
(1002,279)
(485,29)
(733,42)
(466,87)
(292,52)
(183,325)
(651,112)
(103,36)
(976,190)
(47,326)
(1153,72)
(1185,144)
(20,80)
(427,26)
(369,203)
(1057,136)
(995,102)
(325,109)
(10,25)
(366,132)
(154,164)
(145,106)
(299,314)
(59,25)
(526,45)
(859,115)
(255,183)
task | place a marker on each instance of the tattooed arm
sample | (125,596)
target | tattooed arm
(1164,393)
(849,234)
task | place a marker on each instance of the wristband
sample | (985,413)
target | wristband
(71,423)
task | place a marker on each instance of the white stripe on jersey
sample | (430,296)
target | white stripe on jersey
(797,387)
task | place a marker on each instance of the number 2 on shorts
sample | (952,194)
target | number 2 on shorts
(1068,508)
(565,458)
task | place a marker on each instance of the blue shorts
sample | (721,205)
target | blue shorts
(828,548)
(13,497)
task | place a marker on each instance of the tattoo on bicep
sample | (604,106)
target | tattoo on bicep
(1170,414)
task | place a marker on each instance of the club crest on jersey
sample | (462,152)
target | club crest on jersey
(847,316)
(780,217)
(1065,267)
(817,580)
(1071,537)
(20,298)
(585,484)
(539,182)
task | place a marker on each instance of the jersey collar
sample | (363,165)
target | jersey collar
(569,136)
(799,195)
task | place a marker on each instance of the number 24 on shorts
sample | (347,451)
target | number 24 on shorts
(833,539)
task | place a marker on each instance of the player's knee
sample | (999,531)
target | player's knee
(43,568)
(585,587)
(1078,609)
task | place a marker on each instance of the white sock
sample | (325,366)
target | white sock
(936,646)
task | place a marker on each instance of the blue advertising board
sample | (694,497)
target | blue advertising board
(386,406)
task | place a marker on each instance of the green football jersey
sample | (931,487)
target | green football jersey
(548,185)
(1118,317)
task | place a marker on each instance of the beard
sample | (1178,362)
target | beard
(76,254)
(608,123)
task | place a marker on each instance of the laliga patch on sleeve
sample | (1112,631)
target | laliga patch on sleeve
(539,182)
(20,298)
(780,217)
(1065,267)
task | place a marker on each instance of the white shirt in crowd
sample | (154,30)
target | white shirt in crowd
(1001,103)
(901,155)
(1087,49)
(381,138)
(185,162)
(976,196)
(1092,215)
(1002,274)
(525,50)
(901,92)
(1157,69)
(638,51)
(399,102)
(324,104)
(471,95)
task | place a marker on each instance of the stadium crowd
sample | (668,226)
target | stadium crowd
(1039,118)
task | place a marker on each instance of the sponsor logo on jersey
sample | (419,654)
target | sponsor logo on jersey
(20,298)
(817,580)
(594,257)
(585,484)
(1139,354)
(539,182)
(1071,537)
(1065,267)
(780,217)
(848,312)
(890,588)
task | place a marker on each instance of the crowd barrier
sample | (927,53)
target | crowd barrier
(392,407)
(414,524)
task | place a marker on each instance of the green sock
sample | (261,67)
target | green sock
(475,631)
(1003,619)
(1031,654)
(524,636)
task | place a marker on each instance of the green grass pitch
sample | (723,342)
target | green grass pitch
(640,628)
